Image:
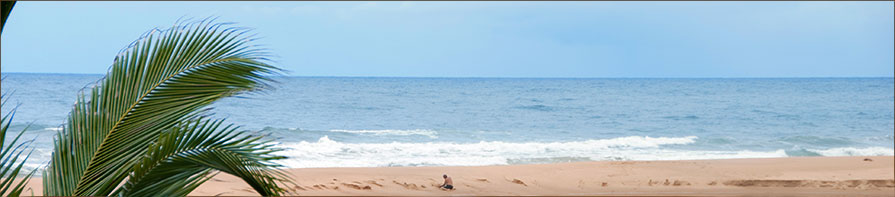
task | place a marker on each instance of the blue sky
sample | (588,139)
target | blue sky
(487,39)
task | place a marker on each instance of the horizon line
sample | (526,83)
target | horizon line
(493,77)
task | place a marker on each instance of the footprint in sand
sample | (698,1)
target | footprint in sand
(679,183)
(357,187)
(467,186)
(320,186)
(517,181)
(858,184)
(669,182)
(407,185)
(483,180)
(374,183)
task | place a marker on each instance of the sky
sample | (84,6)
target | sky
(486,39)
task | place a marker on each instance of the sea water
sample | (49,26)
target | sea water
(381,121)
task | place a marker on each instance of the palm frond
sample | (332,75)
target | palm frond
(158,82)
(10,153)
(182,158)
(6,10)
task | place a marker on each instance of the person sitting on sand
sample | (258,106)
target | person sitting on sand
(448,182)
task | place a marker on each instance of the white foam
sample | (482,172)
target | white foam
(429,133)
(849,151)
(328,153)
(53,129)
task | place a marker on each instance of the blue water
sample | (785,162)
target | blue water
(350,121)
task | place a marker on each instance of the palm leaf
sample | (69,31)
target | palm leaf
(6,9)
(10,153)
(161,80)
(183,157)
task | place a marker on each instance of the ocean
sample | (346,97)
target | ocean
(383,121)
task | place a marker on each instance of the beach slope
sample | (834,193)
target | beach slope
(794,176)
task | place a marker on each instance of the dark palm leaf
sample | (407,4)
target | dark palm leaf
(10,153)
(6,9)
(183,157)
(157,83)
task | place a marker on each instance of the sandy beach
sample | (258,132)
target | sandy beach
(798,176)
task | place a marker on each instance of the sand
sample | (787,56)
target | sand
(798,176)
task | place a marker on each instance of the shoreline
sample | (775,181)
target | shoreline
(791,176)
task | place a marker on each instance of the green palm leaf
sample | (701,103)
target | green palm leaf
(183,157)
(160,81)
(10,153)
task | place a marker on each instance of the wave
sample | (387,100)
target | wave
(851,151)
(53,129)
(328,153)
(817,140)
(542,108)
(429,133)
(325,152)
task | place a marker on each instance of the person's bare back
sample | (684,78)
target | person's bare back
(448,182)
